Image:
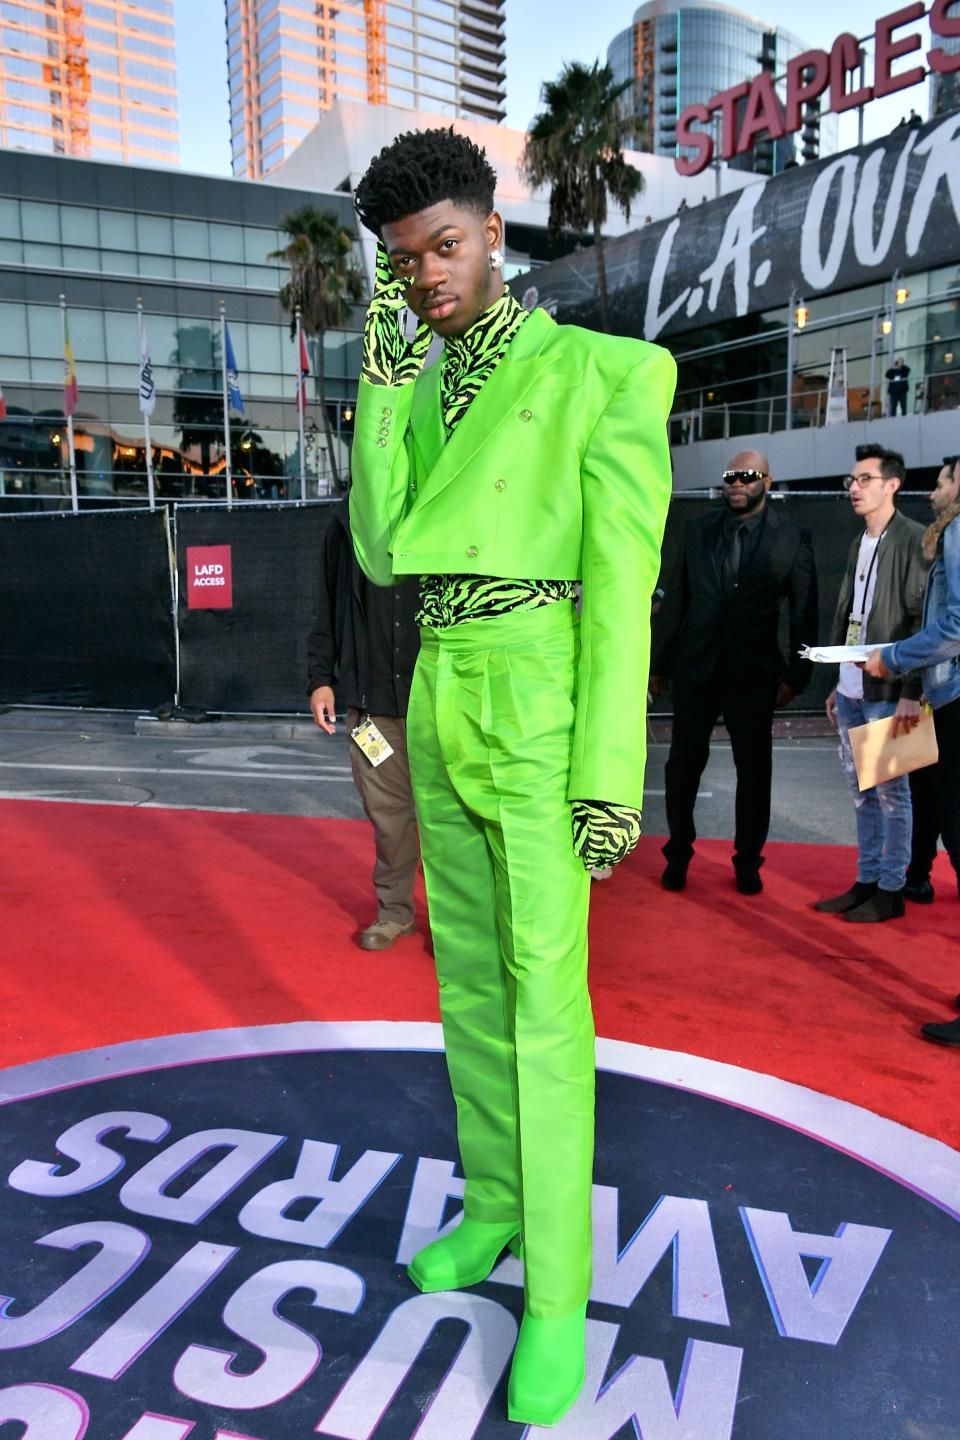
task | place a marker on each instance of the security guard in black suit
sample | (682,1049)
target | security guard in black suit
(719,644)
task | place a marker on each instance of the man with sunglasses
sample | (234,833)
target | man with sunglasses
(881,600)
(719,642)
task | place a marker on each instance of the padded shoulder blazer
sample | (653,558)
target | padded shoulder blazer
(560,470)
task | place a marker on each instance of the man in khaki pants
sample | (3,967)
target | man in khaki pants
(361,652)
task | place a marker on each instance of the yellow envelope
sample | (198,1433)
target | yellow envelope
(878,756)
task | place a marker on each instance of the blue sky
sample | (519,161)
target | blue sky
(537,47)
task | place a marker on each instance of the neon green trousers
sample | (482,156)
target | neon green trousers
(490,730)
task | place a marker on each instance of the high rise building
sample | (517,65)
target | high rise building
(96,80)
(289,60)
(679,53)
(945,88)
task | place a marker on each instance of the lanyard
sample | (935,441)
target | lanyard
(873,561)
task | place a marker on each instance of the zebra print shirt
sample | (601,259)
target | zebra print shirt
(470,359)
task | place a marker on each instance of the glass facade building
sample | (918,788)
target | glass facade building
(678,54)
(289,60)
(945,89)
(89,78)
(103,236)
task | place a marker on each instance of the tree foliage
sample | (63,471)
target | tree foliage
(325,280)
(575,146)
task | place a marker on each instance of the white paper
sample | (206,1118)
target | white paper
(837,654)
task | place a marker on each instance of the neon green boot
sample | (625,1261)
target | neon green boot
(464,1257)
(548,1369)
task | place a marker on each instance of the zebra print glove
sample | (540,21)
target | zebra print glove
(603,834)
(389,358)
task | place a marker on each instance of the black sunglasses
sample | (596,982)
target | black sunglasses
(746,477)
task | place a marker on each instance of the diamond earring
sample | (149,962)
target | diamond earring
(496,259)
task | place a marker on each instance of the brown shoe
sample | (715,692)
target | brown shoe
(382,934)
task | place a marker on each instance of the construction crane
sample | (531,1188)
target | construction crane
(375,19)
(76,89)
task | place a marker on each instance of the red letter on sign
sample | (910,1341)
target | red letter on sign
(948,27)
(799,91)
(762,113)
(726,103)
(887,50)
(844,57)
(700,142)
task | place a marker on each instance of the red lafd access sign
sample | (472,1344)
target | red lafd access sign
(209,577)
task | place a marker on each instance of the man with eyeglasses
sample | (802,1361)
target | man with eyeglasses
(936,649)
(720,644)
(881,599)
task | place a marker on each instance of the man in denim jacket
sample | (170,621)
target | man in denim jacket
(936,650)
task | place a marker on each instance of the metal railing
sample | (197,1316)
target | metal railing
(726,420)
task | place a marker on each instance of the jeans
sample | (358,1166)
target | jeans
(884,812)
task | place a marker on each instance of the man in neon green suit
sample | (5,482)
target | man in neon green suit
(530,457)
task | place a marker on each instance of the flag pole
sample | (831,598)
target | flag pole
(226,403)
(301,407)
(151,492)
(74,501)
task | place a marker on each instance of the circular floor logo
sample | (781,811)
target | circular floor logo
(206,1236)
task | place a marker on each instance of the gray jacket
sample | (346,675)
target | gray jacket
(897,602)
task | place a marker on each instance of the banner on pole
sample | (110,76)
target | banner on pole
(304,374)
(148,390)
(71,388)
(233,374)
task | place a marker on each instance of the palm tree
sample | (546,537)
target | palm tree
(325,279)
(575,145)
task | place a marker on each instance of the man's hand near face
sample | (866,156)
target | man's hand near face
(389,358)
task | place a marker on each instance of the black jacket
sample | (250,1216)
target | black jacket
(897,607)
(364,642)
(702,627)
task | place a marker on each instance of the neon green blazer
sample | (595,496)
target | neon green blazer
(559,470)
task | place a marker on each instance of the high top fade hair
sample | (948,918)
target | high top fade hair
(420,169)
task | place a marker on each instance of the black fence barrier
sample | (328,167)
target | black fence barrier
(86,610)
(832,524)
(248,580)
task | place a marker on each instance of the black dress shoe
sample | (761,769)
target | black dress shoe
(749,882)
(859,891)
(675,875)
(919,891)
(882,905)
(947,1034)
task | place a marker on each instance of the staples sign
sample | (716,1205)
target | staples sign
(751,110)
(209,577)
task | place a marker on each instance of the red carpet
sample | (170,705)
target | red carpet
(123,923)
